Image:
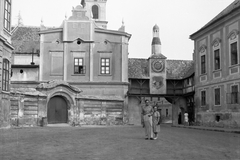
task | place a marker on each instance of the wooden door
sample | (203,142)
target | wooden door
(57,110)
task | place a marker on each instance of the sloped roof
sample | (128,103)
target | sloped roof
(138,68)
(26,39)
(176,69)
(232,7)
(27,91)
(179,69)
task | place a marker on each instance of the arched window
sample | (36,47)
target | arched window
(5,75)
(95,12)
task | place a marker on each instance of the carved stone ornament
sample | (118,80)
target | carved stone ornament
(202,48)
(232,35)
(216,42)
(157,66)
(157,82)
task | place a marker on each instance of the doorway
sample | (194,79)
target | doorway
(57,110)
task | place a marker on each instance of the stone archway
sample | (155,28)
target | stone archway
(57,110)
(64,93)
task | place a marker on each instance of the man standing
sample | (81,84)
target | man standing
(147,112)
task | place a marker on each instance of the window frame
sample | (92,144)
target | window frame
(234,58)
(203,64)
(217,97)
(217,59)
(203,98)
(7,15)
(234,95)
(103,72)
(5,74)
(80,72)
(95,10)
(233,38)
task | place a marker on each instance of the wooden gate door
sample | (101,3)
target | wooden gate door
(57,110)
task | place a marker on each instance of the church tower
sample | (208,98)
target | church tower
(96,10)
(157,62)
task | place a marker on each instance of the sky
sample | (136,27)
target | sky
(177,20)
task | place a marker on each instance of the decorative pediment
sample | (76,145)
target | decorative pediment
(202,48)
(233,34)
(216,42)
(55,83)
(79,13)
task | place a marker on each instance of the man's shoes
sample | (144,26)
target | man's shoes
(151,139)
(155,138)
(146,138)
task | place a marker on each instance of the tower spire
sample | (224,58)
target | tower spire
(20,21)
(156,43)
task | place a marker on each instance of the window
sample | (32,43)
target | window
(216,59)
(166,112)
(105,65)
(95,11)
(234,54)
(5,75)
(7,14)
(217,96)
(203,64)
(234,94)
(203,98)
(79,68)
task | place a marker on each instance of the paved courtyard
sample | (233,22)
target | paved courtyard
(116,143)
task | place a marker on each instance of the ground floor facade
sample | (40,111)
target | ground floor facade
(59,102)
(218,104)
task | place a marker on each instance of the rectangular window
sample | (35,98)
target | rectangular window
(234,53)
(203,98)
(105,65)
(217,96)
(234,94)
(203,64)
(166,112)
(7,15)
(5,77)
(79,68)
(216,59)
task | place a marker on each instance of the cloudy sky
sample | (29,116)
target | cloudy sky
(177,19)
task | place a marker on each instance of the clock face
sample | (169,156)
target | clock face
(157,66)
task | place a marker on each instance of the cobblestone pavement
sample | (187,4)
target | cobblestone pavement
(116,143)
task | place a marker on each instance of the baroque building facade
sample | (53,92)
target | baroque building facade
(5,61)
(79,70)
(217,69)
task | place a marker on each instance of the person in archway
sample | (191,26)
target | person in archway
(186,118)
(179,118)
(156,122)
(147,112)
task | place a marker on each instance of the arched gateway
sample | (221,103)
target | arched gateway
(60,101)
(57,110)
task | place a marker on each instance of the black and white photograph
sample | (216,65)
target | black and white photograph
(119,79)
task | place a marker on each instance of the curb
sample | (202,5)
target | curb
(208,129)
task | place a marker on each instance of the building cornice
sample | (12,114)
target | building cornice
(4,40)
(24,66)
(214,24)
(99,30)
(51,31)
